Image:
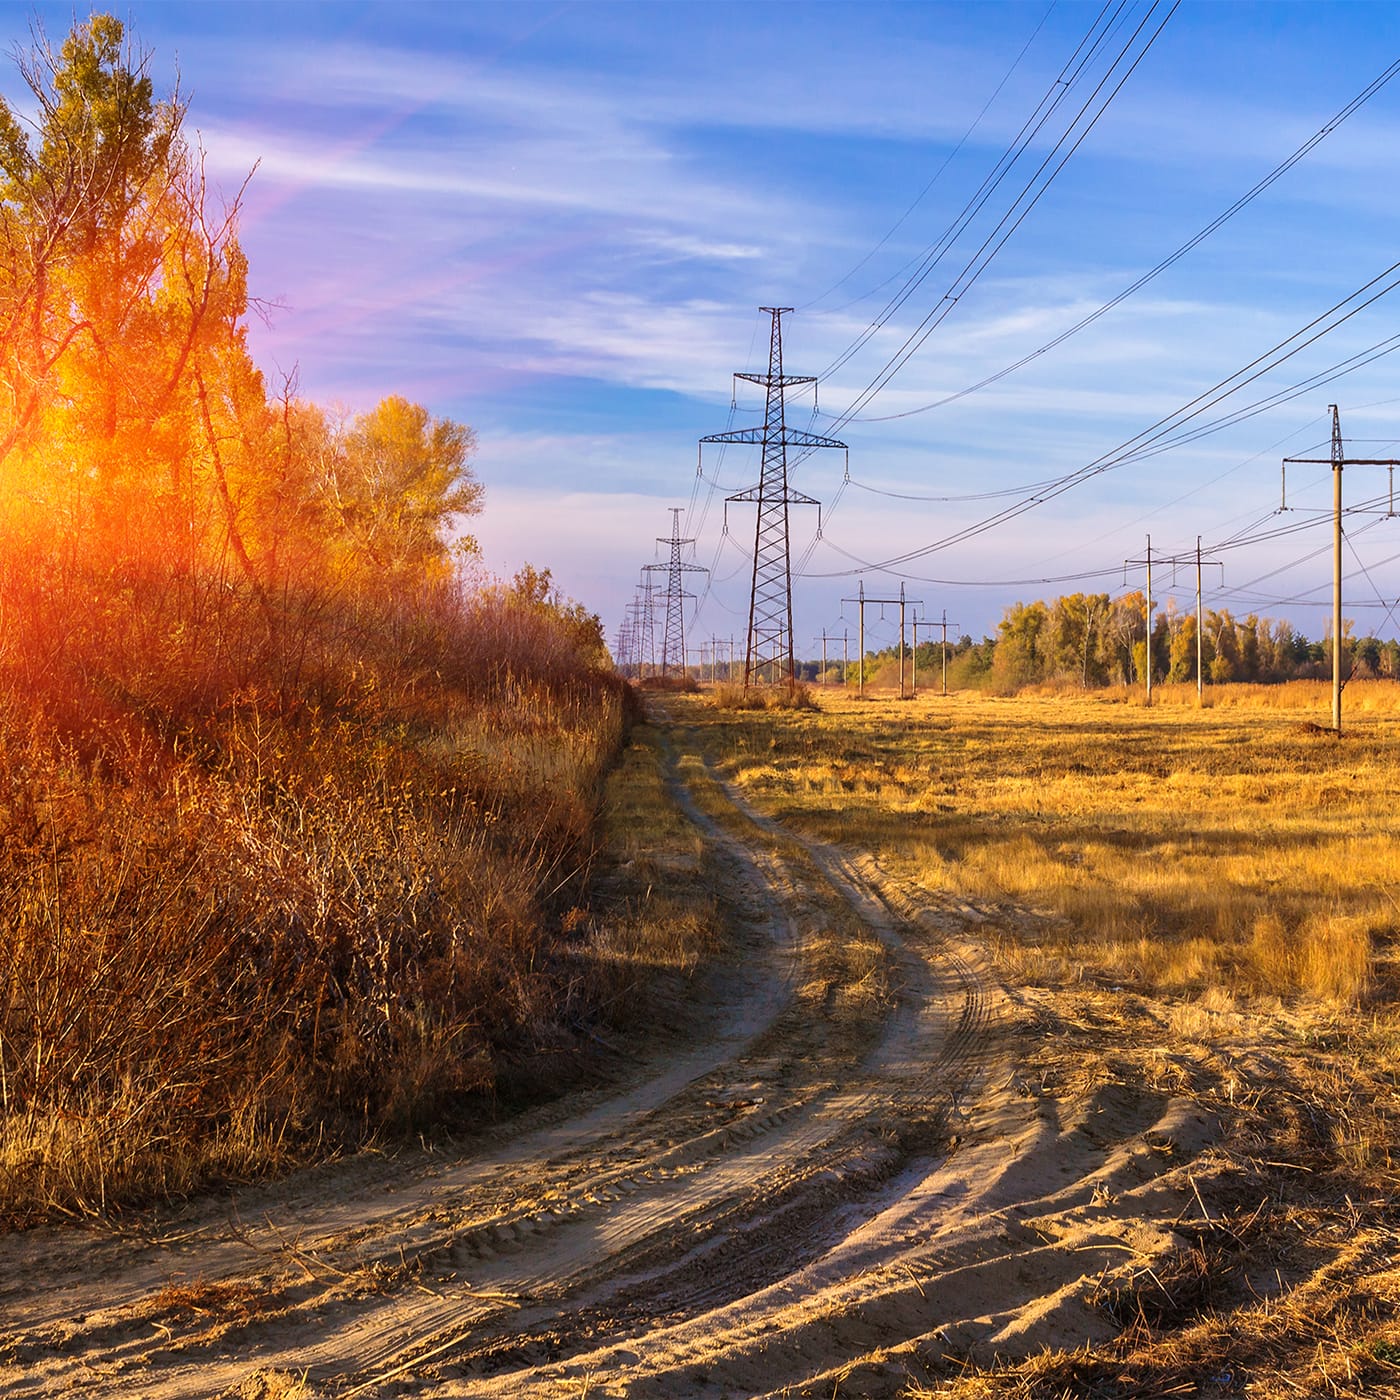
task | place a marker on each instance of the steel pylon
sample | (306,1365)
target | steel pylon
(673,657)
(769,653)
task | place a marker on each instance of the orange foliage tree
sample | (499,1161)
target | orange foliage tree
(140,453)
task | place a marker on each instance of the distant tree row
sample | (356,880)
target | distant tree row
(1092,640)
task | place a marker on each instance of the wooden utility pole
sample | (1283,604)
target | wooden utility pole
(1174,560)
(860,645)
(901,641)
(1200,632)
(944,624)
(1337,460)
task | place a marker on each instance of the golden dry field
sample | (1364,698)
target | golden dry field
(1033,1048)
(1234,851)
(1195,901)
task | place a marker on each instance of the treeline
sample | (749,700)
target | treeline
(291,812)
(1093,640)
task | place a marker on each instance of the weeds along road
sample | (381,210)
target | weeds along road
(845,1187)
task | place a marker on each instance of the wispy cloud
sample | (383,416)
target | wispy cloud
(556,223)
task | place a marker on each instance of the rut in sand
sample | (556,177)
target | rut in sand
(849,1181)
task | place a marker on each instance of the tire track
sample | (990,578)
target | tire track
(781,1208)
(368,1284)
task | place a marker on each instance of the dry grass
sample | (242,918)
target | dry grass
(1171,850)
(269,892)
(794,696)
(1194,902)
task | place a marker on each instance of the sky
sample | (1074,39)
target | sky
(556,223)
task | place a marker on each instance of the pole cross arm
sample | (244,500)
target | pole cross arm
(791,437)
(789,498)
(1344,462)
(784,379)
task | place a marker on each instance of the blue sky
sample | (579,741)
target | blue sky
(556,222)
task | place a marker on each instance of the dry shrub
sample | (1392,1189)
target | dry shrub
(1336,957)
(278,881)
(1327,954)
(673,684)
(793,695)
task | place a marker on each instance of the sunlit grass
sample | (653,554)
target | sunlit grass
(282,895)
(1174,849)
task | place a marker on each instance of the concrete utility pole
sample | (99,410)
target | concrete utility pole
(862,600)
(770,634)
(1337,460)
(1130,563)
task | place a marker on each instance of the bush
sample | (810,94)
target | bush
(289,889)
(793,695)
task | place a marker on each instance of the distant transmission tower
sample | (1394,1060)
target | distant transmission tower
(624,646)
(646,623)
(673,639)
(769,653)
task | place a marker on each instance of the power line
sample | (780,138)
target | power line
(1221,219)
(1057,92)
(1007,224)
(1153,440)
(937,175)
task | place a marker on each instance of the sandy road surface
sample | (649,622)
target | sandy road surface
(830,1195)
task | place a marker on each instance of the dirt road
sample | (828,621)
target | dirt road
(840,1190)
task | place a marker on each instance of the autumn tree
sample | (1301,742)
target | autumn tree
(394,480)
(145,472)
(1076,622)
(1123,628)
(1022,635)
(121,340)
(1181,661)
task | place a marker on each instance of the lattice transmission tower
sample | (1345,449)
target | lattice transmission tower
(675,569)
(646,625)
(769,655)
(624,647)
